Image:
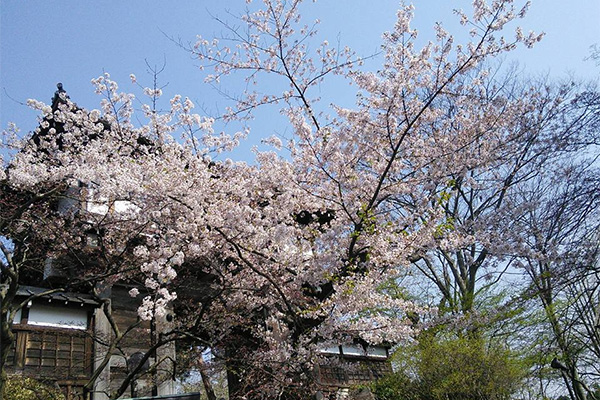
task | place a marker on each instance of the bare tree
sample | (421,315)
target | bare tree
(481,201)
(559,255)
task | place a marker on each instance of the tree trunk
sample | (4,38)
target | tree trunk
(208,388)
(7,339)
(3,379)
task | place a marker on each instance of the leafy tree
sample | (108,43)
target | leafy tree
(467,368)
(441,367)
(395,386)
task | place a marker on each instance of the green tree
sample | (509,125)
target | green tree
(456,368)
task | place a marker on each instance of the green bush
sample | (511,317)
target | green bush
(466,368)
(395,387)
(19,388)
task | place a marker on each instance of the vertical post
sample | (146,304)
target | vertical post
(102,332)
(154,369)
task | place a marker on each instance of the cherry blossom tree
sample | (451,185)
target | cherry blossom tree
(293,250)
(384,167)
(66,220)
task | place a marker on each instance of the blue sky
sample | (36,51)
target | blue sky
(72,41)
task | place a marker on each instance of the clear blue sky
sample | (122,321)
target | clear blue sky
(71,41)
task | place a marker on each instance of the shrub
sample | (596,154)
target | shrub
(465,368)
(19,388)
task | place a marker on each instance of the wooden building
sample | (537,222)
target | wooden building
(346,367)
(62,339)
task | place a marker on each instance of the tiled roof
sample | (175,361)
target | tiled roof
(81,298)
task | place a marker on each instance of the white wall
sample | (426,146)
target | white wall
(59,317)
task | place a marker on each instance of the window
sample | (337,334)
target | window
(52,341)
(53,353)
